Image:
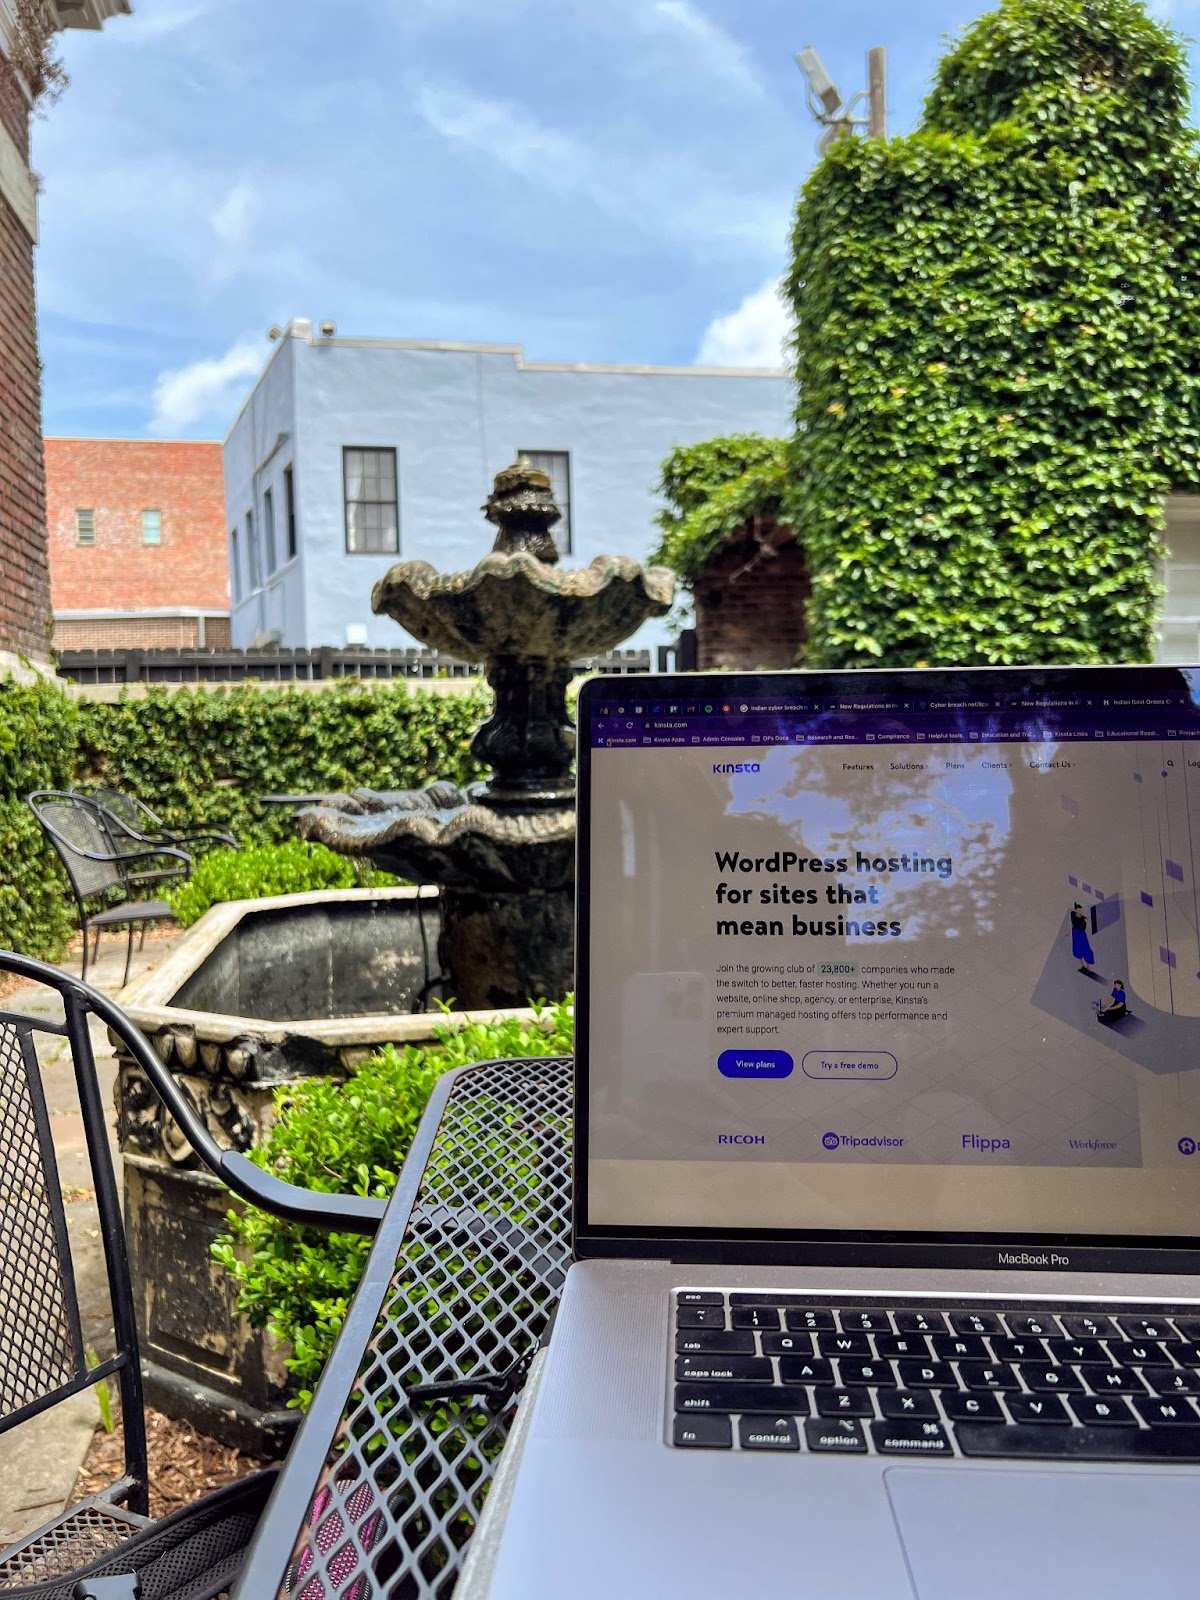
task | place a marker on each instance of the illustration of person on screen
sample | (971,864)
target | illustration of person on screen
(1080,947)
(1116,1006)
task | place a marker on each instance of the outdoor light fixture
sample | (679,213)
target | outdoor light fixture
(328,329)
(825,98)
(275,333)
(820,85)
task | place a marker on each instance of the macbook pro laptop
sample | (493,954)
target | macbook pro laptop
(887,1222)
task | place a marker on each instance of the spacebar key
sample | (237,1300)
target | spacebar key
(1080,1444)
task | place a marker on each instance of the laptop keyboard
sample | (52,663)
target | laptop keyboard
(761,1371)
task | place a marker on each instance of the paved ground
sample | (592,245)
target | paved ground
(40,1460)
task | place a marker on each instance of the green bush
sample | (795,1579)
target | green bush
(717,491)
(998,350)
(351,1138)
(38,725)
(268,869)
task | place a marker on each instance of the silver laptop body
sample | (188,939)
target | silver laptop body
(887,1167)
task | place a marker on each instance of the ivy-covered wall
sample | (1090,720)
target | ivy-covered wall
(998,350)
(206,756)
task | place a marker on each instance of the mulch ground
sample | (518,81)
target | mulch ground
(184,1464)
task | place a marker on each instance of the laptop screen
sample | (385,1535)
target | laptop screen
(900,954)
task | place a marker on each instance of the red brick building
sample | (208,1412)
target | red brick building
(137,544)
(751,600)
(24,578)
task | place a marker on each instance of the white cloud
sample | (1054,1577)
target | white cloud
(755,335)
(205,389)
(705,46)
(155,20)
(231,219)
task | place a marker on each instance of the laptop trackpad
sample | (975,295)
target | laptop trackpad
(993,1534)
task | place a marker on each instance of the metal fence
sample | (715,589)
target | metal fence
(303,666)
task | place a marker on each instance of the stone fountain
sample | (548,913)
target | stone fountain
(502,851)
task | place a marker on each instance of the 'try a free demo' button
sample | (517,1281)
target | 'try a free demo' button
(846,1064)
(755,1064)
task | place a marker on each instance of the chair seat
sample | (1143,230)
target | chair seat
(84,1534)
(132,911)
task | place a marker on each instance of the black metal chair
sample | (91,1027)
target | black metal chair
(106,1545)
(134,819)
(105,868)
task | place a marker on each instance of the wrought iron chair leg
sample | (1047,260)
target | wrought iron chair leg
(128,955)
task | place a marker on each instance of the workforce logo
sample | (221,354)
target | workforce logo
(831,1141)
(1187,1147)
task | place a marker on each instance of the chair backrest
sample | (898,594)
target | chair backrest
(43,1357)
(127,809)
(74,824)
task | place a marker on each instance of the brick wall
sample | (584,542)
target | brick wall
(24,577)
(750,605)
(118,479)
(140,633)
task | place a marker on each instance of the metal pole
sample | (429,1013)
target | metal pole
(877,92)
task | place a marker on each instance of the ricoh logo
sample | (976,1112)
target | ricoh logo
(741,1138)
(736,766)
(1027,1258)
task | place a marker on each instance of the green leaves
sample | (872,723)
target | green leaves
(293,867)
(998,351)
(716,491)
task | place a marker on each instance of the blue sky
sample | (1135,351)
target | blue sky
(598,180)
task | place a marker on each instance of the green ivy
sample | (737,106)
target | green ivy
(294,867)
(998,351)
(351,1138)
(716,491)
(37,751)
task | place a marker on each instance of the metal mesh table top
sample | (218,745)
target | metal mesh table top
(467,1268)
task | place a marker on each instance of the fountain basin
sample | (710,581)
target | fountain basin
(259,994)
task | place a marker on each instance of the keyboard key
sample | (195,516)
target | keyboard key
(1140,1353)
(755,1317)
(910,1437)
(1188,1327)
(1112,1380)
(872,1372)
(799,1369)
(908,1403)
(983,1375)
(703,1433)
(975,1407)
(1019,1350)
(1188,1355)
(922,1322)
(699,1297)
(926,1375)
(1050,1380)
(786,1344)
(768,1433)
(1138,1328)
(865,1321)
(1171,1380)
(1080,1444)
(700,1317)
(1035,1409)
(1166,1412)
(891,1346)
(844,1344)
(1095,1411)
(1072,1351)
(713,1342)
(949,1347)
(778,1398)
(723,1369)
(768,1297)
(844,1403)
(1032,1327)
(806,1321)
(975,1322)
(830,1433)
(1089,1325)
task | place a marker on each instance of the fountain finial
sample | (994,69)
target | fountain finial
(522,506)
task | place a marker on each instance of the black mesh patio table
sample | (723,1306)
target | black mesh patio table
(383,1487)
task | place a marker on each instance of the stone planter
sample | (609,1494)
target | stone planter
(258,994)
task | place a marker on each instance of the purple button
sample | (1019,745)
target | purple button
(755,1064)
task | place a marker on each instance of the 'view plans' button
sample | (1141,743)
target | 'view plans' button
(755,1063)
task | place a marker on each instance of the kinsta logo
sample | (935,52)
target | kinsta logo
(736,766)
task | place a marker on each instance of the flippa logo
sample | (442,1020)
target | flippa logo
(1186,1147)
(726,767)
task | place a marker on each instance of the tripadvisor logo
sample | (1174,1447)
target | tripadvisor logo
(736,766)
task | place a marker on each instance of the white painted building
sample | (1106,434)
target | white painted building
(351,454)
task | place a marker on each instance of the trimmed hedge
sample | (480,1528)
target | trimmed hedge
(206,756)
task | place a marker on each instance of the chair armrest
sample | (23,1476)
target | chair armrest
(194,835)
(339,1213)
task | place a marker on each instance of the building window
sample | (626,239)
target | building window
(269,528)
(253,577)
(372,524)
(289,494)
(85,527)
(235,567)
(556,464)
(151,527)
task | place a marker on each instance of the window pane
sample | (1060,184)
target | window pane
(151,527)
(556,464)
(289,484)
(85,527)
(269,528)
(372,520)
(235,566)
